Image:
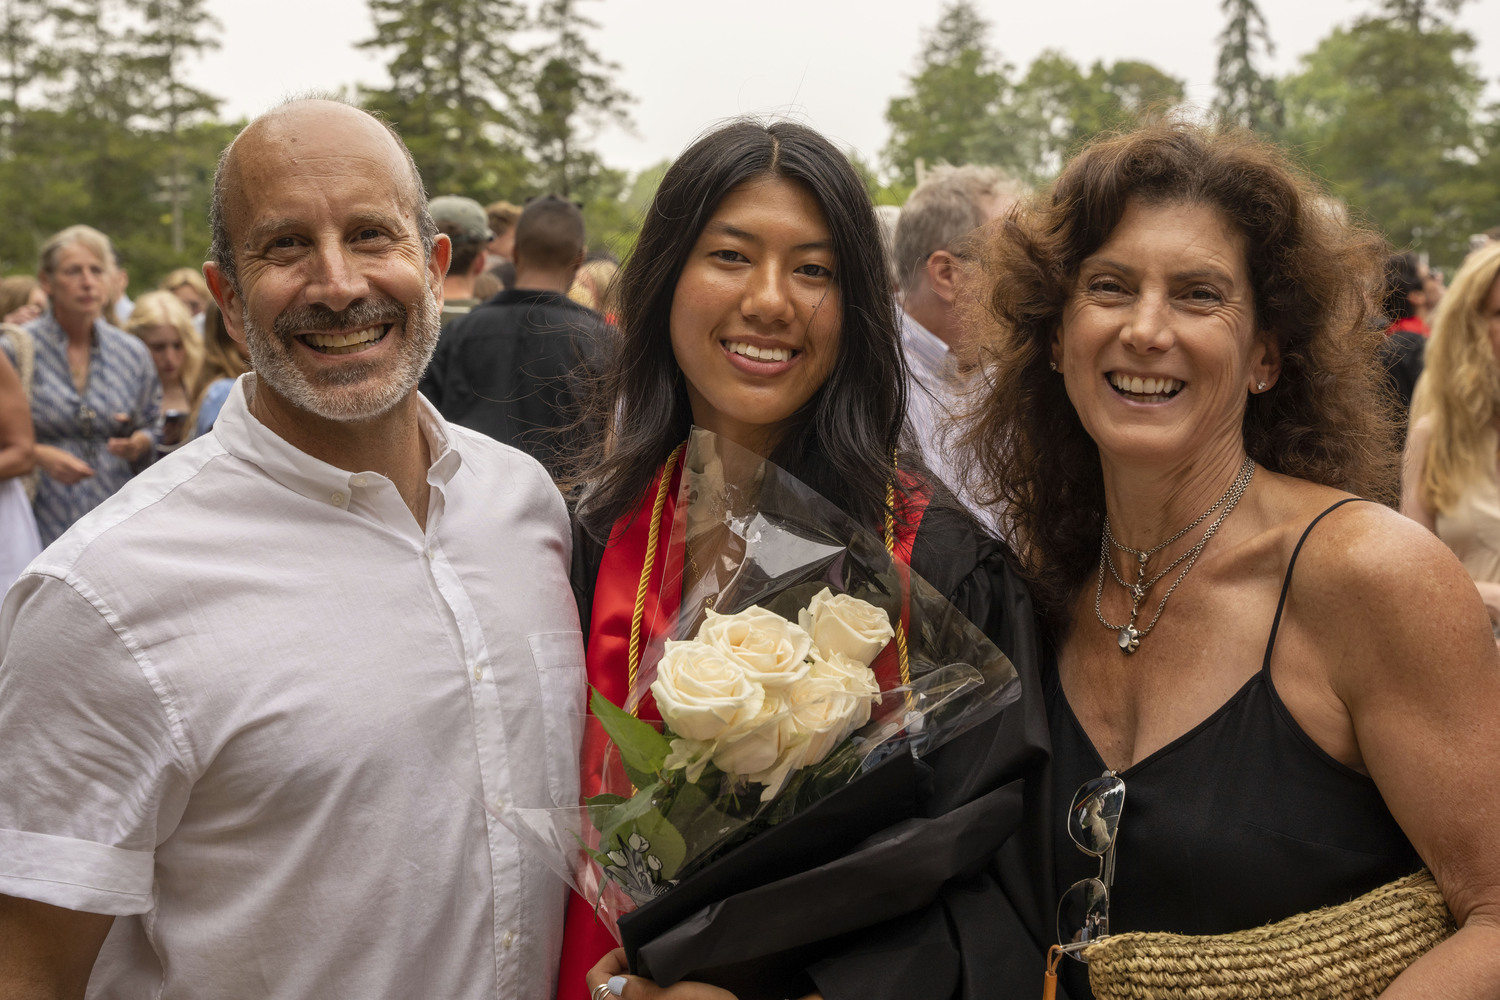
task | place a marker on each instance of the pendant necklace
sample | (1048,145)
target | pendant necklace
(1129,636)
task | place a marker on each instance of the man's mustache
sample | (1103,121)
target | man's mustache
(358,314)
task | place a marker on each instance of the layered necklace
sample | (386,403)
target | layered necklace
(1129,636)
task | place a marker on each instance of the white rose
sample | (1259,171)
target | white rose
(831,702)
(839,623)
(755,744)
(821,711)
(703,693)
(772,650)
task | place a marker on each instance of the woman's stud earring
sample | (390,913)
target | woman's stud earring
(1052,365)
(1260,387)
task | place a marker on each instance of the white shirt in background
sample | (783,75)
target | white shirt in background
(935,406)
(250,708)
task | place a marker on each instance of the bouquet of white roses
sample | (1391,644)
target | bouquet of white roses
(747,704)
(806,671)
(761,697)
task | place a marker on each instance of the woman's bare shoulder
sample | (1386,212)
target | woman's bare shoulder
(1377,585)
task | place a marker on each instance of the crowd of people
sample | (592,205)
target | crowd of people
(326,544)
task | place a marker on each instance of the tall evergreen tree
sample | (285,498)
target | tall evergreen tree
(572,96)
(170,33)
(1244,96)
(88,59)
(453,71)
(1419,15)
(1387,110)
(952,110)
(22,59)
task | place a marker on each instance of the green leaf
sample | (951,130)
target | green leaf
(642,749)
(631,809)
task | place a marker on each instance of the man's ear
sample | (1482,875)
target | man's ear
(231,303)
(437,265)
(942,274)
(477,267)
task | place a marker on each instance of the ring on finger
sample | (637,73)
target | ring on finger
(601,991)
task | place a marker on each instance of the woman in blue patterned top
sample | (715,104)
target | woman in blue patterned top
(95,394)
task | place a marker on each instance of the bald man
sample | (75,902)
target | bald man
(252,708)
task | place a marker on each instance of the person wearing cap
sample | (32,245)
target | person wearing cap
(463,221)
(510,368)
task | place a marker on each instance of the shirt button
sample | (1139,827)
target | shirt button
(507,939)
(478,673)
(337,499)
(357,480)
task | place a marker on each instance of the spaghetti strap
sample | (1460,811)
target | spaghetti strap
(1286,584)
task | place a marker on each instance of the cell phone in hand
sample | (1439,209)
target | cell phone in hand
(121,425)
(172,424)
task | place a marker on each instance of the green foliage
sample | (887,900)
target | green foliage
(1245,97)
(1387,111)
(99,127)
(571,95)
(1057,107)
(170,32)
(453,77)
(643,749)
(964,106)
(956,95)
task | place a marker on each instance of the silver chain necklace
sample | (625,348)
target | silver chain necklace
(1130,637)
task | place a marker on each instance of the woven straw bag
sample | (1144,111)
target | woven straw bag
(1348,952)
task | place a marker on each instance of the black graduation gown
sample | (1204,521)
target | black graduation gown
(907,911)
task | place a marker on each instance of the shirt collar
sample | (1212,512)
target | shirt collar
(47,326)
(246,438)
(925,350)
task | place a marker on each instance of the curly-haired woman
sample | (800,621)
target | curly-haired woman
(1280,695)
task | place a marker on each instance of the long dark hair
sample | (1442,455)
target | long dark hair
(841,442)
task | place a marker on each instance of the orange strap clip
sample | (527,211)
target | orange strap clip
(1049,981)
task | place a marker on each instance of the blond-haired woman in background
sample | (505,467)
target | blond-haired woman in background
(188,285)
(162,321)
(1451,480)
(21,299)
(224,360)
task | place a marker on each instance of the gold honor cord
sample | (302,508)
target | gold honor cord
(653,536)
(890,548)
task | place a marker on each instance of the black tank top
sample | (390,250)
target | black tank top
(1240,821)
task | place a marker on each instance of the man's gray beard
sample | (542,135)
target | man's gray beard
(356,391)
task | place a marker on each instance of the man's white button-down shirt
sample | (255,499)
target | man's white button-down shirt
(252,709)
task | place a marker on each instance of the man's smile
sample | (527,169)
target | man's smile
(346,343)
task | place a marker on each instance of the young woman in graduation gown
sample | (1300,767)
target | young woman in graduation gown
(756,305)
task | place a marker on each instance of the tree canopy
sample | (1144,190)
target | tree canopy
(1387,110)
(505,99)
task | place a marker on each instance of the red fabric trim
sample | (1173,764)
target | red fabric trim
(911,506)
(1411,324)
(585,939)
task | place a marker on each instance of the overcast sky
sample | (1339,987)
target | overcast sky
(833,64)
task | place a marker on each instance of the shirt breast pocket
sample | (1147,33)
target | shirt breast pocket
(558,657)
